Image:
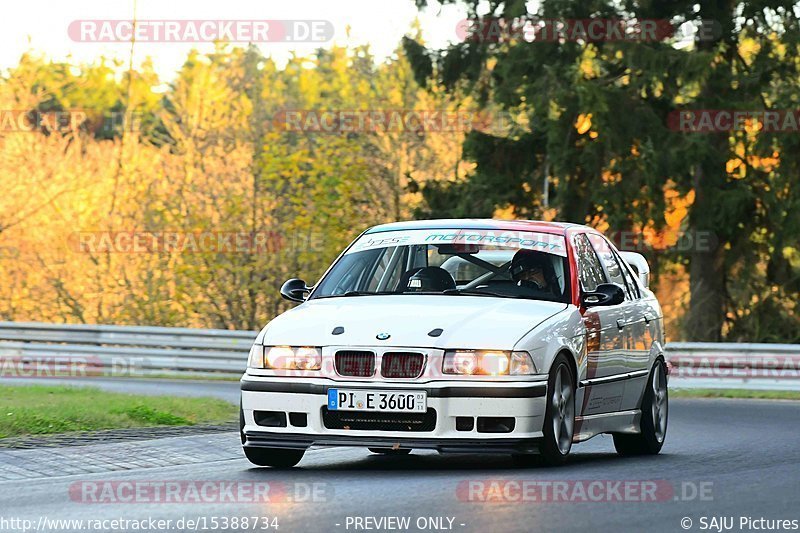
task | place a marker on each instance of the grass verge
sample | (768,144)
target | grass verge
(735,393)
(41,410)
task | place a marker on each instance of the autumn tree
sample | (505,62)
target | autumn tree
(594,143)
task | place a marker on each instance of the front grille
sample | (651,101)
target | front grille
(402,365)
(371,421)
(355,363)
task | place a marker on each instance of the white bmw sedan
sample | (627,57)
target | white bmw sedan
(471,336)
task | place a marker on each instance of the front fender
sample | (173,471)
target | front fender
(563,332)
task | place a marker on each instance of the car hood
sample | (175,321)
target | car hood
(466,321)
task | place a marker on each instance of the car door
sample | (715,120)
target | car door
(603,391)
(635,328)
(645,327)
(640,321)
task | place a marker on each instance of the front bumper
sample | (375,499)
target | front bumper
(447,400)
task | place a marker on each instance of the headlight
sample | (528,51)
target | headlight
(286,358)
(488,363)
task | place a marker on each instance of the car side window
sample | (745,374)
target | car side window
(626,271)
(590,271)
(612,266)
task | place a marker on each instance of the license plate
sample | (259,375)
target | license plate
(376,400)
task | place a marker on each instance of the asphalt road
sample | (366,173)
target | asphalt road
(723,458)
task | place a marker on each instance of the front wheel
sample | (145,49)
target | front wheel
(655,412)
(559,418)
(274,457)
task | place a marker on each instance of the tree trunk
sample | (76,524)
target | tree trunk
(706,269)
(707,274)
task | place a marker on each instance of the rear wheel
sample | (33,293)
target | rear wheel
(655,412)
(274,457)
(559,418)
(390,451)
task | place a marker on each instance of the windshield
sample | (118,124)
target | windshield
(506,264)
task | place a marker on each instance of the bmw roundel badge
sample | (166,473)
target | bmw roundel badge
(382,336)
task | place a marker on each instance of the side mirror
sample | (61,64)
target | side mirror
(295,290)
(604,294)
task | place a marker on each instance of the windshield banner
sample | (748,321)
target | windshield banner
(465,240)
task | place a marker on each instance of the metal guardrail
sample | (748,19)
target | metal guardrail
(734,365)
(33,349)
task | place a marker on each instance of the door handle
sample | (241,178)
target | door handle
(620,324)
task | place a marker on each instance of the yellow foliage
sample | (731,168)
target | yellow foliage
(732,165)
(504,213)
(677,209)
(583,123)
(767,164)
(587,65)
(599,222)
(549,214)
(748,49)
(225,169)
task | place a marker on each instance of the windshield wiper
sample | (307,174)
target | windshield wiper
(362,293)
(473,292)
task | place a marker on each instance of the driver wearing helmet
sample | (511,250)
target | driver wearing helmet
(429,279)
(528,269)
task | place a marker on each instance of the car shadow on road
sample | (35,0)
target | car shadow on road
(433,462)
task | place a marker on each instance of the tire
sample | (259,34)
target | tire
(390,451)
(655,415)
(559,418)
(274,457)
